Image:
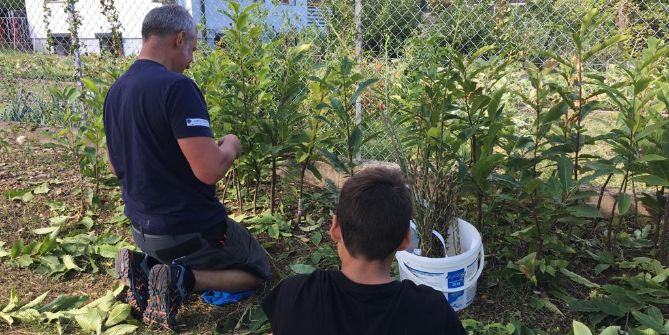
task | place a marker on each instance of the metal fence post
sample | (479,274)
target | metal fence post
(358,59)
(74,29)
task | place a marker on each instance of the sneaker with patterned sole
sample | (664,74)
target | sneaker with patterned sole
(131,269)
(166,293)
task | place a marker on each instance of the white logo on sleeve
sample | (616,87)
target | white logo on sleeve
(197,123)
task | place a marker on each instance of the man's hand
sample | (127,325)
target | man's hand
(230,143)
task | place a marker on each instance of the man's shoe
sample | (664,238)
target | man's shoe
(166,293)
(131,269)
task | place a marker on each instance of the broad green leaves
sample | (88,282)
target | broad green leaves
(580,329)
(101,316)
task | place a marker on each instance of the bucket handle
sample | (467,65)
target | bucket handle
(441,239)
(457,289)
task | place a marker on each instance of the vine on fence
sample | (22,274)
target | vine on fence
(111,13)
(74,20)
(47,17)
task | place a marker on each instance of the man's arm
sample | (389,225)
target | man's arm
(210,161)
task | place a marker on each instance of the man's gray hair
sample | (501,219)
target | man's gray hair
(167,20)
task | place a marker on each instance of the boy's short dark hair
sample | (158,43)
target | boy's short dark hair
(374,210)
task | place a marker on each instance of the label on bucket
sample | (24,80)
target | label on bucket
(456,278)
(457,299)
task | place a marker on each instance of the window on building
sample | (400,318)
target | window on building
(107,43)
(287,2)
(62,44)
(219,41)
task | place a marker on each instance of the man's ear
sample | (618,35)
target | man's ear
(181,39)
(406,241)
(335,230)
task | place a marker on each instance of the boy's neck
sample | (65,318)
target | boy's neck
(366,272)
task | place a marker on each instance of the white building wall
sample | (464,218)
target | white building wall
(132,12)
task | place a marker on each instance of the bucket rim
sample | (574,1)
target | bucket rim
(464,257)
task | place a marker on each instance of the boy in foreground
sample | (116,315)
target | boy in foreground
(370,225)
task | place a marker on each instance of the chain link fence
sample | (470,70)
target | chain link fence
(47,44)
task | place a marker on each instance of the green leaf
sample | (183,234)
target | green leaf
(482,168)
(580,329)
(651,180)
(604,45)
(611,330)
(91,320)
(356,139)
(42,189)
(64,302)
(624,203)
(45,230)
(120,329)
(481,51)
(27,315)
(599,268)
(27,197)
(585,211)
(13,301)
(434,132)
(58,220)
(655,313)
(20,195)
(36,301)
(24,261)
(273,231)
(611,307)
(649,322)
(545,304)
(578,278)
(555,112)
(3,252)
(650,158)
(69,263)
(8,318)
(302,268)
(565,168)
(87,222)
(117,314)
(107,251)
(361,88)
(334,160)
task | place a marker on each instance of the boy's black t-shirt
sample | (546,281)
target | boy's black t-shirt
(327,302)
(145,112)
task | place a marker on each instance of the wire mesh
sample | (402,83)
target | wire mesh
(38,38)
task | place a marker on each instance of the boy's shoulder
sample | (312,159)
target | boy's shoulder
(297,281)
(427,296)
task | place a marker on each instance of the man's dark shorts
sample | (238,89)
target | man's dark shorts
(217,248)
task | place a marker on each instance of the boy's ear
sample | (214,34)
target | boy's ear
(335,230)
(406,241)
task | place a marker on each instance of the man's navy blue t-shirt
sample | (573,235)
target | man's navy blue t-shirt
(145,112)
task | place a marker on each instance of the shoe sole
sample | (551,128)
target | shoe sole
(158,306)
(123,264)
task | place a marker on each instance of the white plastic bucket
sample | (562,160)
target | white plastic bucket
(454,275)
